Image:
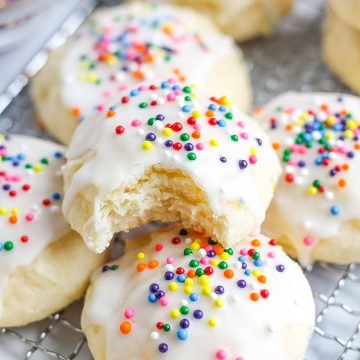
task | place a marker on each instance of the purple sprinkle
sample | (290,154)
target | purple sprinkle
(151,137)
(223,159)
(280,268)
(169,275)
(189,147)
(154,288)
(243,164)
(198,314)
(163,348)
(168,143)
(219,290)
(241,284)
(184,323)
(160,117)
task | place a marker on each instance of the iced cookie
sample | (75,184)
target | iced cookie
(44,265)
(180,295)
(166,152)
(315,212)
(122,46)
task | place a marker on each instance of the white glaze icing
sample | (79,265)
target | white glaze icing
(246,329)
(299,214)
(22,211)
(103,56)
(118,159)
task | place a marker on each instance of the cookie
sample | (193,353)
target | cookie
(122,46)
(44,264)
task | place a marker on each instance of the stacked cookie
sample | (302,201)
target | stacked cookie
(140,96)
(341,42)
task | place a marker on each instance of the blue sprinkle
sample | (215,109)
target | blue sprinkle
(222,123)
(212,107)
(258,263)
(164,85)
(21,157)
(56,196)
(181,278)
(222,108)
(182,334)
(318,161)
(152,298)
(134,92)
(241,259)
(186,108)
(112,107)
(247,272)
(1,246)
(58,154)
(194,297)
(335,210)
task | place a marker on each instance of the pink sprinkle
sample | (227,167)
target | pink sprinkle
(303,149)
(16,178)
(136,123)
(129,313)
(244,135)
(3,152)
(208,248)
(142,88)
(159,247)
(170,97)
(309,240)
(243,252)
(177,92)
(107,93)
(29,217)
(164,301)
(170,260)
(200,146)
(122,87)
(172,81)
(292,162)
(197,127)
(252,159)
(8,178)
(205,260)
(271,255)
(240,124)
(100,107)
(240,358)
(221,354)
(131,54)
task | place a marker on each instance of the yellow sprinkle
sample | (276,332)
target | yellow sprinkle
(304,116)
(253,151)
(219,302)
(167,132)
(92,78)
(214,142)
(256,272)
(351,125)
(329,135)
(214,262)
(196,114)
(15,211)
(349,134)
(37,168)
(195,246)
(188,289)
(330,120)
(2,137)
(212,322)
(140,256)
(299,122)
(147,145)
(225,256)
(175,313)
(111,60)
(204,280)
(195,95)
(3,211)
(189,282)
(206,290)
(173,286)
(312,190)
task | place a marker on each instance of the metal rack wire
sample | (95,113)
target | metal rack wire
(289,60)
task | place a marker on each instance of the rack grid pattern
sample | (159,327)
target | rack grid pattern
(289,60)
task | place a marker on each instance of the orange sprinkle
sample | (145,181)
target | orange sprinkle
(139,75)
(276,146)
(218,249)
(182,78)
(262,279)
(13,219)
(256,242)
(209,113)
(196,134)
(111,113)
(153,264)
(342,183)
(204,244)
(228,273)
(140,267)
(75,111)
(357,146)
(346,167)
(288,127)
(176,71)
(125,327)
(323,107)
(191,274)
(149,58)
(254,296)
(257,110)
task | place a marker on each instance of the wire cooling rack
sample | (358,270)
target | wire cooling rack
(288,60)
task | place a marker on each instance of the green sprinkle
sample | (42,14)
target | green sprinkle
(9,245)
(143,105)
(191,156)
(234,137)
